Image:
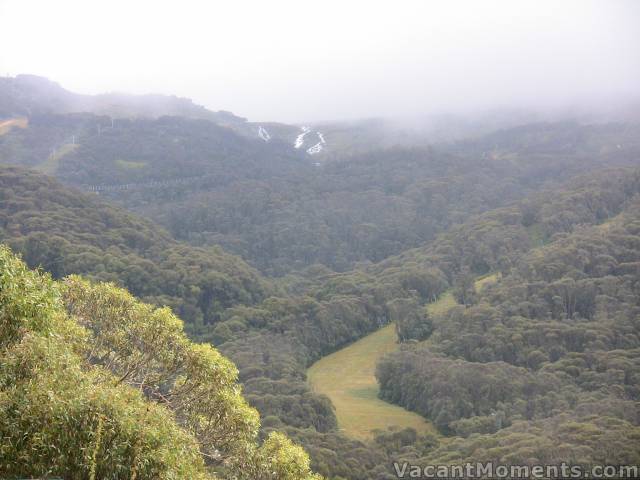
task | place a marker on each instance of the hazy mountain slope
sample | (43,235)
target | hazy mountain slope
(65,231)
(267,202)
(32,95)
(379,204)
(142,150)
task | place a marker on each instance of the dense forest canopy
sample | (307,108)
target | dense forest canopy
(547,354)
(65,231)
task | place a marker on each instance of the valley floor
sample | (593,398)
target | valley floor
(347,377)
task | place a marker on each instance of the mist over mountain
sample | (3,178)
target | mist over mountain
(33,96)
(300,64)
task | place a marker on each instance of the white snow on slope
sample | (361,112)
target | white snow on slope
(263,134)
(317,148)
(300,138)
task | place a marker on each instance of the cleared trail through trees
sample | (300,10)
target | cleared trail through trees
(347,377)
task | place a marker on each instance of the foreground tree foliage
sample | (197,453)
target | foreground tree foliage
(111,388)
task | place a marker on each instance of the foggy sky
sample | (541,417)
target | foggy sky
(333,59)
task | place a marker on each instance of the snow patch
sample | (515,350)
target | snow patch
(263,134)
(317,148)
(300,138)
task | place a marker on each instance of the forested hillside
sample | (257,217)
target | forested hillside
(31,95)
(369,207)
(541,366)
(65,231)
(396,289)
(270,204)
(494,241)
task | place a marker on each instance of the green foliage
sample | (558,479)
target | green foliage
(412,322)
(280,459)
(27,301)
(113,389)
(147,349)
(62,418)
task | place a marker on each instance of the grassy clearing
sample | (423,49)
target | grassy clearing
(347,377)
(7,125)
(444,303)
(50,165)
(128,165)
(487,280)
